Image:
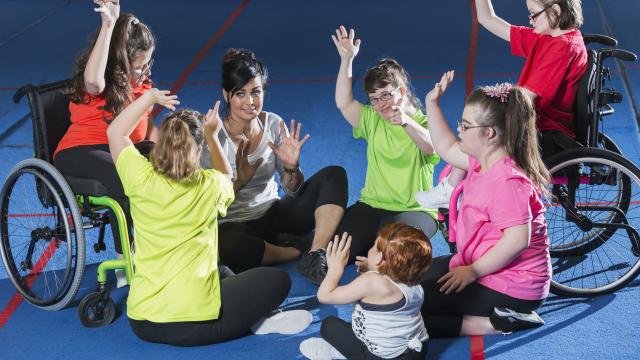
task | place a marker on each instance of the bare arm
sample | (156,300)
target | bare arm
(94,81)
(348,49)
(420,136)
(212,126)
(122,126)
(490,21)
(514,240)
(444,141)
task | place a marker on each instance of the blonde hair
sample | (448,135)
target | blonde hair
(177,152)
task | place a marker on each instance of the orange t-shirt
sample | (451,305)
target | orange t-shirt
(88,127)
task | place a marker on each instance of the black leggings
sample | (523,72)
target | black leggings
(339,334)
(242,243)
(362,222)
(94,162)
(443,313)
(246,298)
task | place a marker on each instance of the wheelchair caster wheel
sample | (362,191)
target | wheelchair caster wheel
(97,247)
(96,310)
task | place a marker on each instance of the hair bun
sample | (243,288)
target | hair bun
(238,54)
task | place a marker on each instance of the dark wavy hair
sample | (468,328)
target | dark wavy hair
(129,37)
(239,66)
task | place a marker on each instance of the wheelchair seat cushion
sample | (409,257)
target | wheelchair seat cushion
(84,186)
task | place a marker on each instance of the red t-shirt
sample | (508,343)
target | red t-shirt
(88,126)
(552,70)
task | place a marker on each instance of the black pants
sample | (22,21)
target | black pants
(363,222)
(443,313)
(242,243)
(339,334)
(246,298)
(94,162)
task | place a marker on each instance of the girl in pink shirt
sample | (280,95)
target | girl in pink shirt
(502,270)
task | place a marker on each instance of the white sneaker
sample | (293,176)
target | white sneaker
(283,322)
(121,278)
(318,349)
(438,197)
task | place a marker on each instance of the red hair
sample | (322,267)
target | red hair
(406,253)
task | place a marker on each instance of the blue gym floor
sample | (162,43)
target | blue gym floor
(40,39)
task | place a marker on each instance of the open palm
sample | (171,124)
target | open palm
(288,151)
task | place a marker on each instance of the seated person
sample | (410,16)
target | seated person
(502,270)
(176,294)
(258,145)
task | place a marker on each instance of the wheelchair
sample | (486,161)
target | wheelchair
(44,215)
(593,211)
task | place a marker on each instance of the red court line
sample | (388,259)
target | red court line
(473,50)
(476,343)
(203,52)
(17,298)
(476,346)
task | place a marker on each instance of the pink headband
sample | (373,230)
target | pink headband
(500,91)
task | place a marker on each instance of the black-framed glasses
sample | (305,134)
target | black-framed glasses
(145,71)
(464,127)
(533,17)
(385,96)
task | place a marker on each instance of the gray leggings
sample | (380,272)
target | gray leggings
(363,221)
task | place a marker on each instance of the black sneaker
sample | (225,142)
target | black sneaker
(313,265)
(300,242)
(508,321)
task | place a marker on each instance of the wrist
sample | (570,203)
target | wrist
(290,169)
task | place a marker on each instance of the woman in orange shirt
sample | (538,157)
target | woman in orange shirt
(109,75)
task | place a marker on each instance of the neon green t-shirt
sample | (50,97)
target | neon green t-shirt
(396,167)
(176,241)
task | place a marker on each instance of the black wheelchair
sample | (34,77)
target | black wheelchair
(44,215)
(593,212)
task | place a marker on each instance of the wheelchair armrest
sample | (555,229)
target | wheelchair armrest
(600,39)
(623,55)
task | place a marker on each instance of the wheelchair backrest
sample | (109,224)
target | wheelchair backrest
(49,107)
(585,100)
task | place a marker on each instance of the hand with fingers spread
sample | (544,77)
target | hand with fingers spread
(338,252)
(212,121)
(439,89)
(457,279)
(346,43)
(163,97)
(288,151)
(109,10)
(244,169)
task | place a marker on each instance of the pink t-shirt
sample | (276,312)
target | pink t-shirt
(494,200)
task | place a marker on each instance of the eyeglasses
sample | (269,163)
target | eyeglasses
(533,17)
(145,71)
(385,96)
(464,127)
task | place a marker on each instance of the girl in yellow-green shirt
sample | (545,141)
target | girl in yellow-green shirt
(176,295)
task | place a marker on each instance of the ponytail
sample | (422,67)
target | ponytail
(510,111)
(177,152)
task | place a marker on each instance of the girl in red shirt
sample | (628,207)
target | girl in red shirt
(112,72)
(556,58)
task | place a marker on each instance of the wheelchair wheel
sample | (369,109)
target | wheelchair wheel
(592,218)
(41,235)
(96,310)
(608,144)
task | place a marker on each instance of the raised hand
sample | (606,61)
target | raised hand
(162,97)
(212,121)
(348,46)
(109,10)
(244,169)
(439,89)
(288,151)
(338,252)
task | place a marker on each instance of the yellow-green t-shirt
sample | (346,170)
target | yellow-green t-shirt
(396,167)
(176,241)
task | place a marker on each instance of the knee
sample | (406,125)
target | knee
(279,281)
(327,325)
(334,172)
